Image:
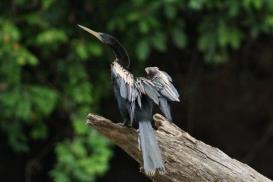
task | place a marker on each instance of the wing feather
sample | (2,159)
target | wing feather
(164,86)
(168,76)
(126,85)
(162,83)
(123,89)
(158,88)
(146,87)
(165,108)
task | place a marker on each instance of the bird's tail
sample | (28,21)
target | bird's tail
(150,151)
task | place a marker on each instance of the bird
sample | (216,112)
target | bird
(136,97)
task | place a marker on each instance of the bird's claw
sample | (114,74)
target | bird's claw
(127,124)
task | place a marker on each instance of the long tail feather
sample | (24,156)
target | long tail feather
(150,151)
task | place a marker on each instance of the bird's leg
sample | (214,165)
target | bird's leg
(138,140)
(131,124)
(125,122)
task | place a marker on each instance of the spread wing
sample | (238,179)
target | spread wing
(132,89)
(146,87)
(163,85)
(158,88)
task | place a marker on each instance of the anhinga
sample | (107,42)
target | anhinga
(135,97)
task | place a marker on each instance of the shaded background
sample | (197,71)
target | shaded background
(220,55)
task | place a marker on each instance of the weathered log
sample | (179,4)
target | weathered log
(186,158)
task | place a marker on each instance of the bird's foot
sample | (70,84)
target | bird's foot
(141,169)
(161,170)
(128,124)
(131,124)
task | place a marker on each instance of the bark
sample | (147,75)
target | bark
(186,158)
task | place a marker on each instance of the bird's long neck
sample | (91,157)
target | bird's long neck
(120,53)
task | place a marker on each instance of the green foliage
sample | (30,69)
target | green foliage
(75,163)
(45,72)
(50,38)
(221,26)
(42,78)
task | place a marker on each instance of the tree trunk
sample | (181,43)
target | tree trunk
(186,158)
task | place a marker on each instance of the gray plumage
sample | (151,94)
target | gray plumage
(157,86)
(136,97)
(163,85)
(141,94)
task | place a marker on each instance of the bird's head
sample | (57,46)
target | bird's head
(119,51)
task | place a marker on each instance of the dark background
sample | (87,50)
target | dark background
(219,54)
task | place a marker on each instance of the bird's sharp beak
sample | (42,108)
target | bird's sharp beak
(96,34)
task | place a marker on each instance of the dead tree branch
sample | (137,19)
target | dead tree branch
(186,158)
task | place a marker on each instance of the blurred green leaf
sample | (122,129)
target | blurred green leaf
(223,35)
(196,4)
(44,99)
(81,51)
(9,32)
(143,27)
(133,16)
(170,11)
(179,38)
(205,41)
(159,41)
(85,50)
(24,57)
(47,3)
(50,37)
(39,131)
(142,49)
(23,107)
(60,177)
(80,127)
(17,139)
(269,21)
(82,162)
(78,149)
